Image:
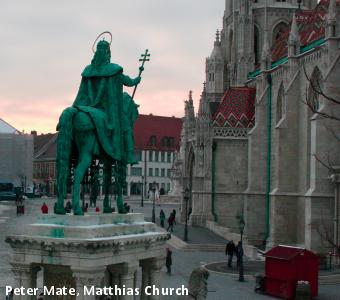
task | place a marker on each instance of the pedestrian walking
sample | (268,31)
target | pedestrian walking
(239,253)
(162,217)
(174,213)
(41,296)
(44,208)
(10,295)
(171,221)
(229,251)
(168,261)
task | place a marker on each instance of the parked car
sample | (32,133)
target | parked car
(7,196)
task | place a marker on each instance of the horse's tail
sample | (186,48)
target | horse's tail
(64,148)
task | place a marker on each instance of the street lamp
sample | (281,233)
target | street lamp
(186,199)
(142,202)
(241,225)
(153,203)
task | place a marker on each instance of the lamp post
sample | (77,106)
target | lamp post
(153,203)
(186,199)
(142,201)
(241,225)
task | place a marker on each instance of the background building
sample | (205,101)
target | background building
(44,170)
(16,157)
(254,151)
(156,141)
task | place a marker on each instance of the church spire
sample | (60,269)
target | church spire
(266,55)
(294,38)
(331,19)
(217,41)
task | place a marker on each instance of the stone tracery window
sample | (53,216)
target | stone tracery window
(278,30)
(316,85)
(280,104)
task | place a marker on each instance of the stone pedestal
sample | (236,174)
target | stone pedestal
(93,250)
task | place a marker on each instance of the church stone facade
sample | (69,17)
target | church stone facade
(255,148)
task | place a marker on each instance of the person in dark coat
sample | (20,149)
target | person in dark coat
(162,217)
(174,213)
(168,261)
(229,251)
(239,253)
(171,221)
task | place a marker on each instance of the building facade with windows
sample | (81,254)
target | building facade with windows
(16,152)
(257,148)
(156,142)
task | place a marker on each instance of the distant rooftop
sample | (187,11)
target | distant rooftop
(7,128)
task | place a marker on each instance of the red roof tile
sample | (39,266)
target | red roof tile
(237,108)
(311,25)
(160,127)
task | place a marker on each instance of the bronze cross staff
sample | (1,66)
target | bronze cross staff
(144,57)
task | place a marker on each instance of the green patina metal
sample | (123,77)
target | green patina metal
(283,60)
(100,126)
(253,74)
(279,62)
(213,181)
(312,45)
(269,153)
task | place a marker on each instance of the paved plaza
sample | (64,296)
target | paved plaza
(221,286)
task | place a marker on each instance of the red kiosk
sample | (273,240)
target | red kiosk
(285,266)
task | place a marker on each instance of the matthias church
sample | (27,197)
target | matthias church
(262,148)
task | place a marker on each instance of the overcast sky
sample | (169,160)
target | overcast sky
(46,44)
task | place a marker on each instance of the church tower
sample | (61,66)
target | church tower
(215,72)
(250,28)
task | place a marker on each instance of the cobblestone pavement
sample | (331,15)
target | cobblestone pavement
(221,286)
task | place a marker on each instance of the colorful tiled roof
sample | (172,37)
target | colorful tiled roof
(311,25)
(237,108)
(157,133)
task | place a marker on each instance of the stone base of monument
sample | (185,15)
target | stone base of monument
(94,251)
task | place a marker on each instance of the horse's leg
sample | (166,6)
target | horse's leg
(120,179)
(107,184)
(85,143)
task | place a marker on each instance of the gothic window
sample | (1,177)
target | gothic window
(278,30)
(280,104)
(313,102)
(315,87)
(257,45)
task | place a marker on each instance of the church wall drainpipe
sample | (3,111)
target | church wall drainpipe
(269,152)
(213,181)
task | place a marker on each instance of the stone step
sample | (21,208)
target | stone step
(176,243)
(205,247)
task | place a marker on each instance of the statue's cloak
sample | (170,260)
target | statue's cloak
(100,96)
